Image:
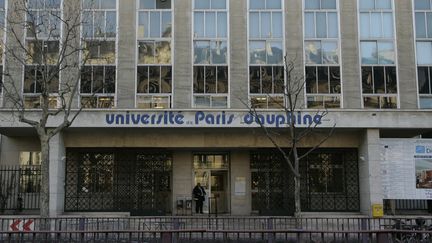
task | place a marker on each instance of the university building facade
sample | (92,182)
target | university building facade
(164,99)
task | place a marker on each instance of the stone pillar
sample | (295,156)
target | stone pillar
(238,53)
(183,54)
(370,171)
(57,160)
(406,56)
(126,52)
(351,88)
(182,178)
(240,170)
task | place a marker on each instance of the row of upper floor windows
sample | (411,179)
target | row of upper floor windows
(324,80)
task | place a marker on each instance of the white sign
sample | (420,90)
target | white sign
(21,225)
(406,169)
(240,186)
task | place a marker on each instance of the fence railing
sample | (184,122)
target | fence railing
(216,229)
(20,187)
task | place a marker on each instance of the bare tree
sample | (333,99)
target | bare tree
(43,39)
(293,93)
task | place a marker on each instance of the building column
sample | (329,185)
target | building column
(370,171)
(182,182)
(241,202)
(57,160)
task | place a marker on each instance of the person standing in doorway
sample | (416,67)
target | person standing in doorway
(199,197)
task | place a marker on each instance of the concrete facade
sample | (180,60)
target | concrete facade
(355,127)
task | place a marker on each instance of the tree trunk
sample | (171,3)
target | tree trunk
(297,213)
(45,185)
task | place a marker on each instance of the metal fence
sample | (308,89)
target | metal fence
(216,229)
(19,187)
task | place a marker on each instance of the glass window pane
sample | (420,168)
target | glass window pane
(199,24)
(371,102)
(390,79)
(266,79)
(367,80)
(255,80)
(420,25)
(376,25)
(163,52)
(202,4)
(383,4)
(202,101)
(311,80)
(99,24)
(154,79)
(210,79)
(202,52)
(328,4)
(210,24)
(143,29)
(277,31)
(163,4)
(166,24)
(313,52)
(309,25)
(367,4)
(142,83)
(321,25)
(274,53)
(35,4)
(429,24)
(222,24)
(424,53)
(333,28)
(155,24)
(108,4)
(146,53)
(335,86)
(323,81)
(257,52)
(219,52)
(110,77)
(218,4)
(222,80)
(312,4)
(147,4)
(278,79)
(425,103)
(423,80)
(386,53)
(421,4)
(199,79)
(369,52)
(219,102)
(265,25)
(166,79)
(330,52)
(364,25)
(254,25)
(257,4)
(274,4)
(387,25)
(111,24)
(379,85)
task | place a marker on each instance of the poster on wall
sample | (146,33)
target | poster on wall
(406,169)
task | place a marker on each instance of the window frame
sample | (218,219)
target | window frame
(226,39)
(337,40)
(83,39)
(161,95)
(3,41)
(267,97)
(393,40)
(33,96)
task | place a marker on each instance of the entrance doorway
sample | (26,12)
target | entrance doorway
(212,172)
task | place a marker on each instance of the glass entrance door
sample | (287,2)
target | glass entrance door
(211,171)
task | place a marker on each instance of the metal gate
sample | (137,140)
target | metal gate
(329,182)
(123,180)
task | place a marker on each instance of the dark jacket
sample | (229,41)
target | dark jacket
(199,193)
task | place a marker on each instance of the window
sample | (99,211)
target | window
(154,71)
(423,30)
(210,53)
(321,47)
(266,45)
(41,72)
(378,54)
(30,177)
(98,71)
